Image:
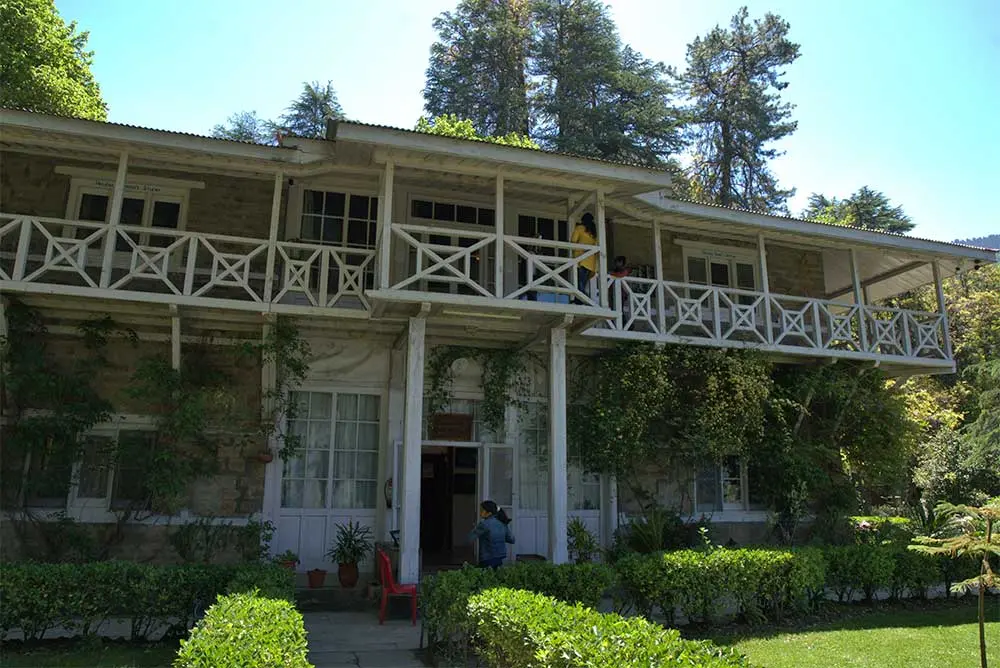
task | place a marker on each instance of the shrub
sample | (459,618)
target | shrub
(874,530)
(36,597)
(246,631)
(519,628)
(913,573)
(444,597)
(583,545)
(852,568)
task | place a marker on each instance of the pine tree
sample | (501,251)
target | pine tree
(306,116)
(246,126)
(733,79)
(867,209)
(478,64)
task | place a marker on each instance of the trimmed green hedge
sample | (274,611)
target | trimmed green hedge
(444,597)
(762,583)
(36,597)
(519,628)
(246,631)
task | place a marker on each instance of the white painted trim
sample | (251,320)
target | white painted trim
(133,179)
(409,559)
(558,470)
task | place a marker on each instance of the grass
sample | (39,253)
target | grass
(78,654)
(936,635)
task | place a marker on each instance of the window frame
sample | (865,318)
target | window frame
(720,505)
(730,255)
(149,192)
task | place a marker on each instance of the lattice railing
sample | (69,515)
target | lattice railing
(437,262)
(323,275)
(635,303)
(549,267)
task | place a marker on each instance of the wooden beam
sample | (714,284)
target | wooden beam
(111,235)
(574,210)
(175,338)
(498,219)
(860,297)
(385,225)
(885,276)
(409,553)
(272,239)
(661,305)
(602,257)
(558,469)
(765,286)
(942,307)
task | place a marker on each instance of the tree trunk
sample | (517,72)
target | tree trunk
(983,570)
(726,166)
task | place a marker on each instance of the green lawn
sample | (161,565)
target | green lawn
(943,636)
(78,655)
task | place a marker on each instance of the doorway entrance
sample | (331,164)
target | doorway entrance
(449,507)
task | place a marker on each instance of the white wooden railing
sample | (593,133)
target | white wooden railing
(434,266)
(180,266)
(549,267)
(679,312)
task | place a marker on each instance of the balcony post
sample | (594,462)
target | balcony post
(111,235)
(859,299)
(272,239)
(498,221)
(661,306)
(385,225)
(558,474)
(765,286)
(175,338)
(942,307)
(602,254)
(409,551)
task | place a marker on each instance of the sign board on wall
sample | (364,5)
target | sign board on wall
(450,427)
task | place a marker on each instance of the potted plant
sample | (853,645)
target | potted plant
(287,559)
(352,545)
(317,577)
(265,456)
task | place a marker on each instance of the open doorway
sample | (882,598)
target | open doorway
(449,507)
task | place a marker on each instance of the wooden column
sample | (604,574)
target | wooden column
(942,307)
(498,267)
(609,509)
(272,239)
(409,558)
(385,225)
(602,264)
(175,338)
(765,287)
(271,505)
(860,298)
(111,237)
(558,474)
(661,302)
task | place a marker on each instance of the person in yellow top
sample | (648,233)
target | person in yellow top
(585,232)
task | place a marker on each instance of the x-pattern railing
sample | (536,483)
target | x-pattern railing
(888,330)
(634,301)
(445,263)
(310,270)
(554,272)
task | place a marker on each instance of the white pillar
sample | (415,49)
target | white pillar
(385,225)
(602,264)
(409,558)
(609,509)
(942,307)
(175,338)
(558,489)
(661,302)
(765,286)
(116,213)
(860,298)
(272,239)
(271,505)
(498,220)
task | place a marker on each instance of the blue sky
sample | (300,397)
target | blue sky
(901,95)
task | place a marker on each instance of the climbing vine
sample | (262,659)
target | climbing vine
(504,380)
(284,349)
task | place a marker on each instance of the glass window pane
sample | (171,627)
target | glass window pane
(319,436)
(697,270)
(374,209)
(487,217)
(546,228)
(364,494)
(347,436)
(358,207)
(502,475)
(708,489)
(368,437)
(526,226)
(344,465)
(347,407)
(422,209)
(444,211)
(318,464)
(132,211)
(166,214)
(94,468)
(368,407)
(93,207)
(291,493)
(466,214)
(320,405)
(343,491)
(744,276)
(720,274)
(367,466)
(312,201)
(314,494)
(357,233)
(311,227)
(333,230)
(301,402)
(335,204)
(295,467)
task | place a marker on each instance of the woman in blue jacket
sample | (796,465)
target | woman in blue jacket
(493,533)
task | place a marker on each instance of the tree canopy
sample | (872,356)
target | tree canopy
(867,209)
(246,126)
(305,116)
(44,63)
(733,81)
(450,125)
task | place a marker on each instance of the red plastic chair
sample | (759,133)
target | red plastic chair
(390,588)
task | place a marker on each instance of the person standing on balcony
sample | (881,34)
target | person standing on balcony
(585,232)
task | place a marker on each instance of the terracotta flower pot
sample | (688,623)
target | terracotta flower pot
(317,577)
(348,575)
(289,564)
(265,457)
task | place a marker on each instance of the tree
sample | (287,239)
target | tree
(306,116)
(595,97)
(452,126)
(733,80)
(246,126)
(44,64)
(477,67)
(866,209)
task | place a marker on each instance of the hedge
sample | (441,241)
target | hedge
(36,597)
(444,597)
(762,583)
(246,631)
(519,628)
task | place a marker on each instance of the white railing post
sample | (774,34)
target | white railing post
(111,235)
(498,221)
(859,301)
(907,341)
(942,308)
(192,263)
(558,471)
(385,225)
(324,278)
(716,314)
(23,245)
(272,239)
(602,244)
(661,305)
(765,285)
(817,325)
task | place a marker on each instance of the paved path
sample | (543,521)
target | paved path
(357,639)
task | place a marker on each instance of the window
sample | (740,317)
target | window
(584,489)
(338,464)
(724,486)
(480,432)
(143,205)
(705,265)
(446,212)
(481,264)
(340,219)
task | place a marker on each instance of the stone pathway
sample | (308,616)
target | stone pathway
(357,639)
